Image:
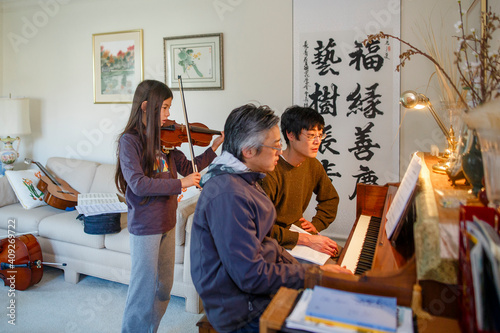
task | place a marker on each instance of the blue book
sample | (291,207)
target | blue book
(345,309)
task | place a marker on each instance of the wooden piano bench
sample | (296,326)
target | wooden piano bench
(204,325)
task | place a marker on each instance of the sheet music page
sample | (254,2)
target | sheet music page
(305,252)
(99,203)
(403,194)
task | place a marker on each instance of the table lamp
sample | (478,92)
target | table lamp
(15,121)
(412,100)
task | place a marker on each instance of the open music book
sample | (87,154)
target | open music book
(90,204)
(305,252)
(403,195)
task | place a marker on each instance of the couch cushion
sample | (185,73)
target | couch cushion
(78,173)
(25,220)
(7,195)
(120,241)
(179,254)
(66,228)
(104,179)
(184,209)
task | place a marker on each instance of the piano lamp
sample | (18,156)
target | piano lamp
(14,120)
(412,100)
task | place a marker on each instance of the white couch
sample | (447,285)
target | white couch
(62,239)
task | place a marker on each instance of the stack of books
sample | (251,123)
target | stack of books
(327,310)
(479,265)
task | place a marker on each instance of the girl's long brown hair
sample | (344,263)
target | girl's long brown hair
(154,92)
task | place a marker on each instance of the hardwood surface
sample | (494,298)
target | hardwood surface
(204,325)
(276,312)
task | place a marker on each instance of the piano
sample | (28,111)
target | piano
(381,265)
(418,264)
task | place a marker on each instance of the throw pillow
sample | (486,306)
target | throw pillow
(188,193)
(24,184)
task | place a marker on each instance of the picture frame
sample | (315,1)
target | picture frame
(474,11)
(118,65)
(198,59)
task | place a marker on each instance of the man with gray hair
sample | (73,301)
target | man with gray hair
(235,266)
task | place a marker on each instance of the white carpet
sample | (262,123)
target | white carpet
(93,305)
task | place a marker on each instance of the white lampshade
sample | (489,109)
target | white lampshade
(14,117)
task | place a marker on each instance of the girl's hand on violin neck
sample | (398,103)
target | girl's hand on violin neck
(218,141)
(191,180)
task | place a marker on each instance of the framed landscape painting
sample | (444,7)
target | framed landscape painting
(118,65)
(197,59)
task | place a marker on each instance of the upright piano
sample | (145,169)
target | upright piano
(381,265)
(418,264)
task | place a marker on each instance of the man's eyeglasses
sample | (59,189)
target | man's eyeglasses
(312,137)
(278,149)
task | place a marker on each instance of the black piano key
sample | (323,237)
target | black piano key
(369,245)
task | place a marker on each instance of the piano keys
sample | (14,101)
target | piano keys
(358,257)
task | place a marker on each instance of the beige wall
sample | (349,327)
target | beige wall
(46,56)
(50,62)
(419,130)
(1,51)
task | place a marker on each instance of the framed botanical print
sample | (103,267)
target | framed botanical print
(197,59)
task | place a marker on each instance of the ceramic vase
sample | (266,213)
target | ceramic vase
(472,162)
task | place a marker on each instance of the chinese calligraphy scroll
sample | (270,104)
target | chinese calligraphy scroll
(356,89)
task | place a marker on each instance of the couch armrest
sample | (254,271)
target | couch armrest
(7,194)
(184,210)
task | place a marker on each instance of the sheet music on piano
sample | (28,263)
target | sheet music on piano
(403,194)
(305,252)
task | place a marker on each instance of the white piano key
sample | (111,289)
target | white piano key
(351,256)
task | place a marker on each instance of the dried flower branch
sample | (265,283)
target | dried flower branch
(407,56)
(480,77)
(442,51)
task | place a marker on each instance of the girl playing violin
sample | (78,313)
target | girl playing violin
(148,178)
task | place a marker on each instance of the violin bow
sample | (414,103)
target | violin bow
(188,130)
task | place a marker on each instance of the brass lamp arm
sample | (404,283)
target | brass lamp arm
(438,121)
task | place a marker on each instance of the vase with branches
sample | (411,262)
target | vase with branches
(478,68)
(477,64)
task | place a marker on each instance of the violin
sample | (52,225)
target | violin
(20,261)
(173,134)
